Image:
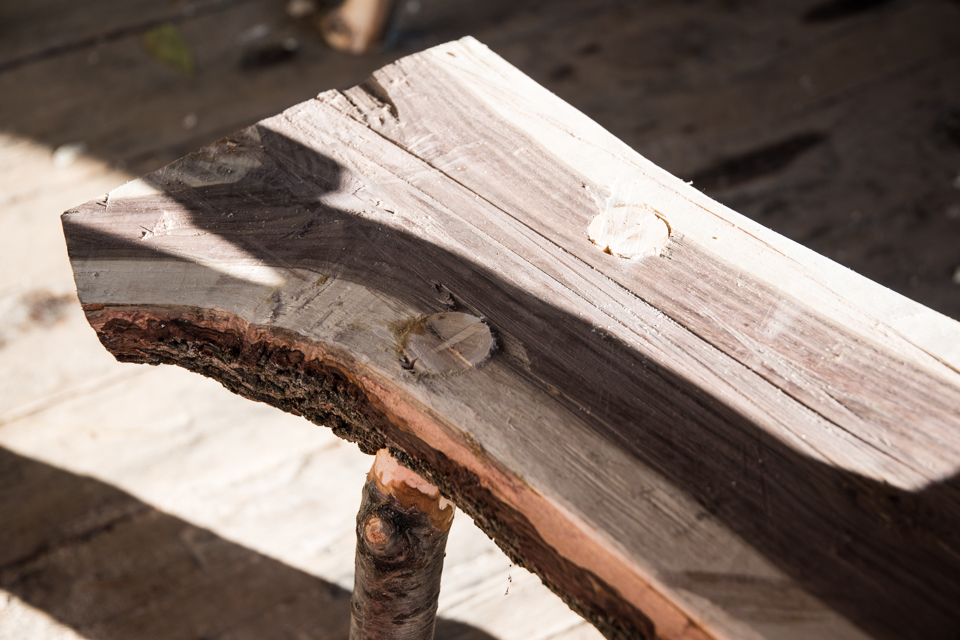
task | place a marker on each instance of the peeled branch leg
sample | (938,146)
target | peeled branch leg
(402,531)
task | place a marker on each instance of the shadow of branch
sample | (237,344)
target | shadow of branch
(111,567)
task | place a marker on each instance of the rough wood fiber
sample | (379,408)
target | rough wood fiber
(728,437)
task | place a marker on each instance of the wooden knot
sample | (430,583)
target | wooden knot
(380,536)
(378,531)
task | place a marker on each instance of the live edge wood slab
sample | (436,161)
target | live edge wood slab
(688,426)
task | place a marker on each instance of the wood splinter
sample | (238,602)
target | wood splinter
(402,531)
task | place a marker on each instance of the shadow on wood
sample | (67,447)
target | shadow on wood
(885,558)
(113,568)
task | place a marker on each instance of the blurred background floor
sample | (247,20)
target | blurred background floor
(141,502)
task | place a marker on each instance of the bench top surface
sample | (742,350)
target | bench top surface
(687,425)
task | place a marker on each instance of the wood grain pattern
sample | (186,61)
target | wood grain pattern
(735,438)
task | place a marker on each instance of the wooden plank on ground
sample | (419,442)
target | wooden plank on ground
(724,436)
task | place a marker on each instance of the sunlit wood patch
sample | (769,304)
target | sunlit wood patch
(629,231)
(626,226)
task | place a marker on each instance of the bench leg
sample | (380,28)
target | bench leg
(402,531)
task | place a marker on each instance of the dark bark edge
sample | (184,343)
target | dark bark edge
(271,365)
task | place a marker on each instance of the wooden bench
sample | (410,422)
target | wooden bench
(686,425)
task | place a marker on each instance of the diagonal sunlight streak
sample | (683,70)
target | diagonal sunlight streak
(247,268)
(587,147)
(873,430)
(19,619)
(634,329)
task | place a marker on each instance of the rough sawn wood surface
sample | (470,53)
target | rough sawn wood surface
(732,437)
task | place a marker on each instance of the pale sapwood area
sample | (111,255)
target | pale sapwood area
(723,436)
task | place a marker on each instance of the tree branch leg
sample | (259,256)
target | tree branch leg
(402,531)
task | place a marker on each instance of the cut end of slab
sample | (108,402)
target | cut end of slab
(629,231)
